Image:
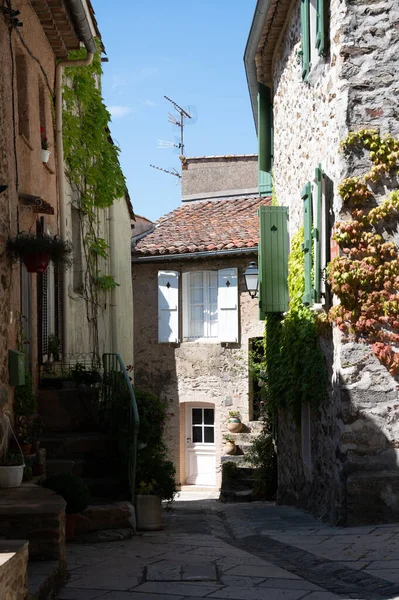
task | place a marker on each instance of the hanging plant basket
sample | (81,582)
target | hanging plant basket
(37,251)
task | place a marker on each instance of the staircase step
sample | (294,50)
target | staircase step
(256,426)
(106,487)
(100,517)
(69,410)
(77,445)
(234,495)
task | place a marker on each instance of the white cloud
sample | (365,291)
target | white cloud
(118,111)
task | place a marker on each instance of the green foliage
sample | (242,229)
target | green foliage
(80,374)
(72,488)
(153,467)
(25,244)
(54,346)
(25,398)
(93,169)
(263,458)
(106,282)
(230,472)
(294,362)
(12,459)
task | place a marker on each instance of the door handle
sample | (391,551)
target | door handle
(188,440)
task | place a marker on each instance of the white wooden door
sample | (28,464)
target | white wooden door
(200,444)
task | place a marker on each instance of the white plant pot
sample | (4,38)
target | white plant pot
(229,448)
(11,477)
(234,426)
(45,155)
(148,513)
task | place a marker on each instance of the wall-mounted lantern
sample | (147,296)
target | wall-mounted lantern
(251,279)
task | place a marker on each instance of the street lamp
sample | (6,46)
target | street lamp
(251,279)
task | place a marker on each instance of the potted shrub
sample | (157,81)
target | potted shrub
(234,422)
(54,346)
(23,429)
(229,447)
(36,251)
(45,151)
(75,493)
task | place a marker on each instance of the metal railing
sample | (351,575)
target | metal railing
(118,413)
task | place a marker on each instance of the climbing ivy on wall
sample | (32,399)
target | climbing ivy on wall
(365,277)
(295,363)
(93,170)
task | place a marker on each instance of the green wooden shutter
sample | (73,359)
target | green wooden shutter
(273,259)
(317,235)
(320,30)
(305,35)
(265,139)
(307,246)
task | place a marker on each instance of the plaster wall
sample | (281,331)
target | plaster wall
(192,371)
(215,176)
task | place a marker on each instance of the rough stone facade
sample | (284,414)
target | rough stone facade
(192,371)
(13,570)
(353,474)
(219,176)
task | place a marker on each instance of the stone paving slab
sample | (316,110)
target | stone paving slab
(245,593)
(178,588)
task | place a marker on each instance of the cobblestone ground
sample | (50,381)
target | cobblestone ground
(254,551)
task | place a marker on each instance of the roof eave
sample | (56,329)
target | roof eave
(251,50)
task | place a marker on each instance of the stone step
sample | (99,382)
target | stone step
(13,569)
(100,517)
(69,410)
(244,438)
(36,514)
(45,578)
(106,487)
(234,495)
(72,445)
(239,459)
(255,426)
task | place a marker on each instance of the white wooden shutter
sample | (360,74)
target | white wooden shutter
(228,305)
(168,306)
(186,305)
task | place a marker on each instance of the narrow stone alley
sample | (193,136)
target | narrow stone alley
(241,552)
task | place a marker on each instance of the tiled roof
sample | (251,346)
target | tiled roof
(205,226)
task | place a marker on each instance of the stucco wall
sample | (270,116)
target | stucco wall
(219,176)
(33,176)
(192,371)
(354,87)
(81,335)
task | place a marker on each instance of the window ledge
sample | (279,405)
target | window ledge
(201,341)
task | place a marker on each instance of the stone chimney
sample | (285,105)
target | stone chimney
(219,177)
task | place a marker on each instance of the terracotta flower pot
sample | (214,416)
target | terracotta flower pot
(229,448)
(234,425)
(26,449)
(70,526)
(36,263)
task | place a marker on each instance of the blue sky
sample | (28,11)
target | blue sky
(191,52)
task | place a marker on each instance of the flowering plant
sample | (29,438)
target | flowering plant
(43,138)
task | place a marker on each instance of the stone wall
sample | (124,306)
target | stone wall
(354,436)
(13,570)
(217,176)
(192,371)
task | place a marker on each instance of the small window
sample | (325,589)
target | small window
(77,252)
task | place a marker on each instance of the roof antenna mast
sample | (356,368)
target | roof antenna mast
(179,121)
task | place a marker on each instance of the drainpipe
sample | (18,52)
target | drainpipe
(78,13)
(112,264)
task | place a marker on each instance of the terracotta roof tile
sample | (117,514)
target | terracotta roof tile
(205,226)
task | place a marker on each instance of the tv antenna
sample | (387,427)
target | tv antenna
(183,117)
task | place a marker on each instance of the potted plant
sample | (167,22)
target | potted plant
(234,422)
(45,151)
(36,251)
(11,463)
(11,470)
(75,493)
(54,345)
(229,447)
(23,428)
